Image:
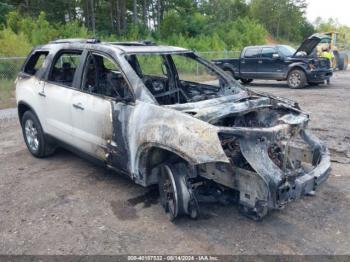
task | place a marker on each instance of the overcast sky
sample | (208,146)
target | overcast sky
(339,9)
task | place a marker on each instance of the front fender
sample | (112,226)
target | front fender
(193,139)
(299,65)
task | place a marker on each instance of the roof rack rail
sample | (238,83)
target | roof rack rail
(135,43)
(93,41)
(76,40)
(67,40)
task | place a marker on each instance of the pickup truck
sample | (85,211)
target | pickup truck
(280,62)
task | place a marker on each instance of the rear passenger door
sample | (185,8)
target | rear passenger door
(249,63)
(58,94)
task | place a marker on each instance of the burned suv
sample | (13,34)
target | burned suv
(164,116)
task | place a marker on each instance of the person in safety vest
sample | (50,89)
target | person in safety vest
(327,53)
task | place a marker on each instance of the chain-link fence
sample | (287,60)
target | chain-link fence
(10,66)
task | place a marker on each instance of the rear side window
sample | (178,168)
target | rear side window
(268,52)
(251,53)
(35,62)
(64,67)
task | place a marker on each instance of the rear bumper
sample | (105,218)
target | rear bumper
(319,75)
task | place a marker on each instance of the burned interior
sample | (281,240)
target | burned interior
(178,78)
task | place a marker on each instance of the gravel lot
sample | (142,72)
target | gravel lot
(65,205)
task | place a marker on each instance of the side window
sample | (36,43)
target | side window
(267,52)
(152,65)
(35,62)
(64,67)
(102,76)
(251,53)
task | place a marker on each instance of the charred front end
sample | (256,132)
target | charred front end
(273,159)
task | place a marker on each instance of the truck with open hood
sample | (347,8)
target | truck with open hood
(280,62)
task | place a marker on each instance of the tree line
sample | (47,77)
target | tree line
(196,24)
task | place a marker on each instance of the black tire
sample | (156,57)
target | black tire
(246,81)
(175,197)
(343,61)
(34,136)
(296,79)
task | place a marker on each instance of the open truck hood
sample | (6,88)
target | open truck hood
(310,43)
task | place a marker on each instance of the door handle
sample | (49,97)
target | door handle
(242,62)
(78,106)
(260,62)
(41,93)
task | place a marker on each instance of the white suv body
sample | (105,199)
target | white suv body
(136,108)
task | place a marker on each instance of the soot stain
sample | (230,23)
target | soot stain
(125,210)
(148,199)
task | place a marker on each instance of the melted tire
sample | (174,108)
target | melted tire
(175,197)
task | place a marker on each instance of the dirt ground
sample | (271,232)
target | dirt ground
(65,205)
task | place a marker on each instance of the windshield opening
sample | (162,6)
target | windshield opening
(286,50)
(180,78)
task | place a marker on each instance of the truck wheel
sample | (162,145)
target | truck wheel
(296,79)
(343,61)
(246,81)
(175,196)
(34,136)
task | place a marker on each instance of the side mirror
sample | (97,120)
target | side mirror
(275,56)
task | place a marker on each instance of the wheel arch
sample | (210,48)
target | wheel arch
(23,107)
(152,155)
(296,66)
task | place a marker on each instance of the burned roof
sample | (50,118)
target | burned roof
(132,47)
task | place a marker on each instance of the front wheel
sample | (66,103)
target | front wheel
(34,136)
(175,195)
(296,79)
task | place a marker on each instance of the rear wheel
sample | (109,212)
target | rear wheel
(296,79)
(246,81)
(34,136)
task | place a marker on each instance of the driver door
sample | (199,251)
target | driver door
(102,84)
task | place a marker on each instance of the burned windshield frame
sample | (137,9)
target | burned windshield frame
(170,89)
